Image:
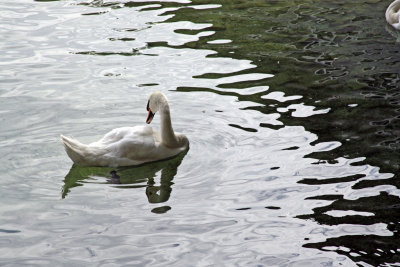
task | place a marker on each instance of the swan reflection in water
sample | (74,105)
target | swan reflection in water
(130,177)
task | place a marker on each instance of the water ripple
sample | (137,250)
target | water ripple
(277,172)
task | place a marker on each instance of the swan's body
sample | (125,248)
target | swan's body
(393,14)
(129,146)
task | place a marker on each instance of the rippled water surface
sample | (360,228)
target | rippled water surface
(292,110)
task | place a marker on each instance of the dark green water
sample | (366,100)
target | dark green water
(292,109)
(335,54)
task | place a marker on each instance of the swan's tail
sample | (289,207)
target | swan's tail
(77,151)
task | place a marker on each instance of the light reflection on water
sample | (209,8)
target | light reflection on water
(243,193)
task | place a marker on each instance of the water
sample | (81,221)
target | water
(291,109)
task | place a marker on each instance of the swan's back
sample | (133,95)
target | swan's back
(140,143)
(135,134)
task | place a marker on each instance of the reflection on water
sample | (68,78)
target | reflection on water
(129,177)
(291,108)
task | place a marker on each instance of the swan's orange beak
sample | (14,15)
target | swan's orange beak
(151,114)
(149,117)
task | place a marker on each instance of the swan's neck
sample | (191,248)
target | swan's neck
(167,132)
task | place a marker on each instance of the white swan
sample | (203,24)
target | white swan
(129,146)
(393,14)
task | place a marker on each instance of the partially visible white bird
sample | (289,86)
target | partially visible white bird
(393,14)
(129,146)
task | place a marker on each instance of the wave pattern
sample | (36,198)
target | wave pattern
(275,99)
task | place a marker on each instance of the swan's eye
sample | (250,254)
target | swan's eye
(148,105)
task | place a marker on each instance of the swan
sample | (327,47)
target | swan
(128,146)
(393,14)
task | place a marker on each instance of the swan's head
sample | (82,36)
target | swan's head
(156,101)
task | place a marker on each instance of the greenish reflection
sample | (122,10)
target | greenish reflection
(129,177)
(336,55)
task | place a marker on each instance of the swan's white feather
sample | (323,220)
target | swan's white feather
(127,146)
(393,14)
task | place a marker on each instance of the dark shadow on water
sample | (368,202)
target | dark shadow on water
(129,178)
(371,248)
